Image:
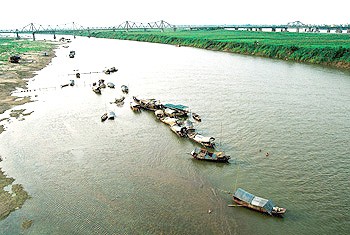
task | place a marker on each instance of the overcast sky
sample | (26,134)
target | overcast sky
(18,13)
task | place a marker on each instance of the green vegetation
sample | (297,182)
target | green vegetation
(10,46)
(316,48)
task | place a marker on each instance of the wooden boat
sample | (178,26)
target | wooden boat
(101,83)
(175,110)
(104,117)
(71,54)
(110,70)
(96,89)
(251,201)
(119,100)
(149,104)
(203,140)
(179,130)
(125,89)
(206,155)
(170,121)
(196,117)
(159,113)
(135,107)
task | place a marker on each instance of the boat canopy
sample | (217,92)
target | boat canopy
(203,139)
(176,106)
(254,200)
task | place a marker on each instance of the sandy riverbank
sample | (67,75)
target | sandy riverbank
(13,76)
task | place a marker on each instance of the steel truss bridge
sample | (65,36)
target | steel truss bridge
(74,28)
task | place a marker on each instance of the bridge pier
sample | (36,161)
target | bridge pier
(273,29)
(33,36)
(17,34)
(54,35)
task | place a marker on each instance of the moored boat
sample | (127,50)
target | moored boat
(96,89)
(111,115)
(207,155)
(196,117)
(104,117)
(203,140)
(135,107)
(110,84)
(251,201)
(125,89)
(179,130)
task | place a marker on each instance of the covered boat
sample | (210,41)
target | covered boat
(170,121)
(110,84)
(175,110)
(135,107)
(111,115)
(206,155)
(251,201)
(149,104)
(96,89)
(179,130)
(203,140)
(125,89)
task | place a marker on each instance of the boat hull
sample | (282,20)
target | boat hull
(258,208)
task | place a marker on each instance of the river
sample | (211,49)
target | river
(132,175)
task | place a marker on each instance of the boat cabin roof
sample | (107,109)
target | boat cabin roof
(254,200)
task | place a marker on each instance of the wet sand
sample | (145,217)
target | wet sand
(13,76)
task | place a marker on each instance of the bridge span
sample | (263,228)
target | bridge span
(74,28)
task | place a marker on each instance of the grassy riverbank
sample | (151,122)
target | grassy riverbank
(34,56)
(315,48)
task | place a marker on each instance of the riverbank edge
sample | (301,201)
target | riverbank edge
(19,74)
(328,56)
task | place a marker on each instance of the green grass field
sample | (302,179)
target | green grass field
(11,46)
(316,48)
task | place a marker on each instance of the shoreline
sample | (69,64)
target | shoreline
(330,52)
(12,77)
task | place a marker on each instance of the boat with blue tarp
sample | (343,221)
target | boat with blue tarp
(251,201)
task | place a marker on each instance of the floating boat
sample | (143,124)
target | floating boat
(110,70)
(179,130)
(135,107)
(149,104)
(71,54)
(196,117)
(203,140)
(251,201)
(125,89)
(119,100)
(101,83)
(170,121)
(96,89)
(110,84)
(159,113)
(71,83)
(111,115)
(206,155)
(175,110)
(104,117)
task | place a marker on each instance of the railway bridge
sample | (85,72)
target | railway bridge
(74,28)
